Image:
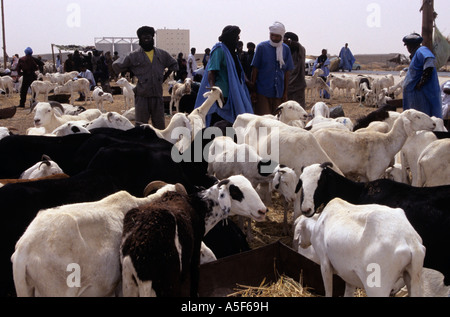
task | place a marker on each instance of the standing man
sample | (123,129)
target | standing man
(225,71)
(191,63)
(26,68)
(297,82)
(421,89)
(148,64)
(270,75)
(346,58)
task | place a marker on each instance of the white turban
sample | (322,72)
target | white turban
(279,29)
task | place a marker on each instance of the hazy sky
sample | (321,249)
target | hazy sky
(368,26)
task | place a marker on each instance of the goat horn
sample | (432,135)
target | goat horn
(153,187)
(179,188)
(56,104)
(33,105)
(278,110)
(109,116)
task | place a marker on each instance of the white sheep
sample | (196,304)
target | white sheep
(413,147)
(197,117)
(314,84)
(110,120)
(433,165)
(74,86)
(178,129)
(291,113)
(127,91)
(46,117)
(71,127)
(290,146)
(358,241)
(347,84)
(367,155)
(74,233)
(99,97)
(43,168)
(178,91)
(7,84)
(41,87)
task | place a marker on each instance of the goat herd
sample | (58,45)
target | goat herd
(97,207)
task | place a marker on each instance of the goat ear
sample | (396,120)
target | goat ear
(407,125)
(326,164)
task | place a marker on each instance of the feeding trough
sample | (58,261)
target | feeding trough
(220,278)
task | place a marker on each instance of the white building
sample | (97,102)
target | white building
(174,41)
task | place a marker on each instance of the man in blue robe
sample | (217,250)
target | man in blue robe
(421,89)
(225,71)
(346,58)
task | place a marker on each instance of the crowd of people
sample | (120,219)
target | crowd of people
(256,81)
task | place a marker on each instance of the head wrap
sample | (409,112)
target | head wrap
(230,33)
(291,35)
(413,38)
(279,29)
(28,51)
(145,30)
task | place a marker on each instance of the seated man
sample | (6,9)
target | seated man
(86,73)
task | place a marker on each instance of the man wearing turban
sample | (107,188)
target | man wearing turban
(271,64)
(225,71)
(421,89)
(149,65)
(26,68)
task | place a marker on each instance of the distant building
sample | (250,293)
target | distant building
(173,41)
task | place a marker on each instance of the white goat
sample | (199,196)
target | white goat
(99,97)
(74,86)
(127,91)
(367,155)
(314,84)
(347,84)
(7,84)
(49,119)
(433,165)
(43,168)
(178,91)
(72,233)
(41,87)
(110,120)
(354,240)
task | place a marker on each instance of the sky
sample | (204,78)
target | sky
(369,27)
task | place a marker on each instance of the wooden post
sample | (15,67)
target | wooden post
(5,56)
(428,16)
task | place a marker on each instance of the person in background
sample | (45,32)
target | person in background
(149,65)
(297,82)
(26,68)
(346,59)
(68,64)
(271,64)
(445,99)
(225,71)
(14,63)
(421,89)
(323,62)
(247,58)
(86,73)
(191,64)
(206,57)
